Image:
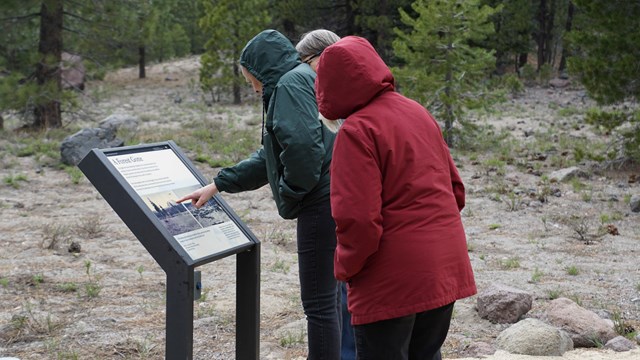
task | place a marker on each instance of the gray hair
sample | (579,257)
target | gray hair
(314,42)
(311,44)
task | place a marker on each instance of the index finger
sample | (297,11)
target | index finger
(184,198)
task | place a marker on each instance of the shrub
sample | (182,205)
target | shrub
(545,74)
(606,121)
(572,270)
(90,226)
(512,84)
(53,234)
(528,73)
(511,263)
(625,125)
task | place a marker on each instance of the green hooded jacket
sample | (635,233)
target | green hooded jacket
(296,151)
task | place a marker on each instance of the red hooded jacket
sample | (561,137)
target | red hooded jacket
(396,194)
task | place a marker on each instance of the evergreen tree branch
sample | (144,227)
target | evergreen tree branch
(22,17)
(75,16)
(71,30)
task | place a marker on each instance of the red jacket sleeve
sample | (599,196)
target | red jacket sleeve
(356,202)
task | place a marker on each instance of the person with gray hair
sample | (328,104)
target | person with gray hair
(310,46)
(313,43)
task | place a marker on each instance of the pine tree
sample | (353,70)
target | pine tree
(19,21)
(228,25)
(443,69)
(17,29)
(605,48)
(550,23)
(513,29)
(136,31)
(187,13)
(95,31)
(295,17)
(33,84)
(137,21)
(166,38)
(376,21)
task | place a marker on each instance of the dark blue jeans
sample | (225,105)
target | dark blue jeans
(348,346)
(413,337)
(318,288)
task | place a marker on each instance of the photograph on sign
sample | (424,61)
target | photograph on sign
(159,178)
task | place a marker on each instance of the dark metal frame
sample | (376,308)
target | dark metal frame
(176,263)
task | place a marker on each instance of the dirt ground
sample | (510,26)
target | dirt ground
(108,300)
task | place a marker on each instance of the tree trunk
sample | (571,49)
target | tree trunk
(448,121)
(567,29)
(502,59)
(351,14)
(141,62)
(502,62)
(448,126)
(1,122)
(522,60)
(549,45)
(47,109)
(381,35)
(541,35)
(236,87)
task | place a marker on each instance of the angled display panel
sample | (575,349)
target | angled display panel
(155,176)
(142,183)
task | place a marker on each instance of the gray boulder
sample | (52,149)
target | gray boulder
(567,174)
(503,304)
(117,122)
(620,344)
(75,147)
(293,330)
(635,203)
(585,327)
(534,337)
(559,83)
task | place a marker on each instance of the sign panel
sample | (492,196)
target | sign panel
(159,177)
(142,184)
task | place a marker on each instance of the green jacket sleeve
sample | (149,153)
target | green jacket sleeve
(299,132)
(249,174)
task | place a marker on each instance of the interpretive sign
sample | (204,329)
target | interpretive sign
(142,183)
(160,177)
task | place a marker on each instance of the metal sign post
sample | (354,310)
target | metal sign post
(141,184)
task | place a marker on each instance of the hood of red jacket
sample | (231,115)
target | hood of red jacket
(350,74)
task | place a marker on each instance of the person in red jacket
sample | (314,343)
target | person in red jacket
(396,198)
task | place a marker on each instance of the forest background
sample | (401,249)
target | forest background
(450,55)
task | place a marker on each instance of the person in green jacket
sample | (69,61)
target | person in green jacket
(294,160)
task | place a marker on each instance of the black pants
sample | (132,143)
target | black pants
(318,287)
(413,337)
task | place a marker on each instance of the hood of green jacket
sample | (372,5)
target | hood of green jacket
(268,56)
